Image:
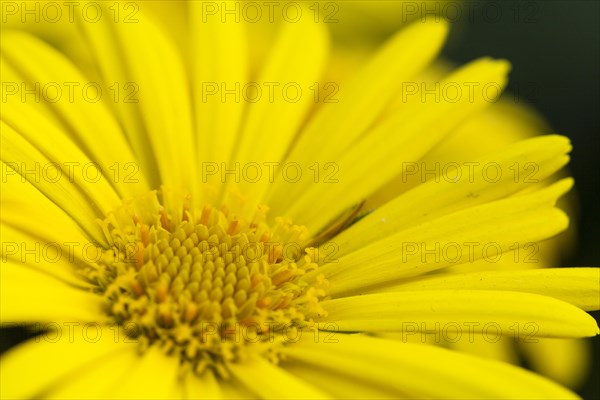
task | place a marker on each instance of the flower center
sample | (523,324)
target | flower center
(206,286)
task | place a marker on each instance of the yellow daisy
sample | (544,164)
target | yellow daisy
(178,222)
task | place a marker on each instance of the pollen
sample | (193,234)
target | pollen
(203,284)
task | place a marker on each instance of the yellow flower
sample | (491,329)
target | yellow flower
(180,222)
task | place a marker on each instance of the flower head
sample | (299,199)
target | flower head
(223,198)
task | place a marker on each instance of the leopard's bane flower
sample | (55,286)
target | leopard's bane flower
(227,258)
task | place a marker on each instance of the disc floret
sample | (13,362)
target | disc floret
(206,286)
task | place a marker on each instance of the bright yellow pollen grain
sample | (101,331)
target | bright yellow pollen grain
(208,288)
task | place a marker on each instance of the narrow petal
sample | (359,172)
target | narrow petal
(30,296)
(46,232)
(56,259)
(578,286)
(522,164)
(219,72)
(397,143)
(361,102)
(68,161)
(505,123)
(153,63)
(47,222)
(98,380)
(18,153)
(269,381)
(103,140)
(105,48)
(457,238)
(411,368)
(503,313)
(205,387)
(154,377)
(234,390)
(35,367)
(339,385)
(295,63)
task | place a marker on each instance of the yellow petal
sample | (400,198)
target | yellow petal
(424,371)
(361,101)
(98,380)
(522,164)
(234,390)
(69,163)
(46,222)
(505,123)
(486,231)
(339,385)
(20,157)
(20,197)
(46,232)
(154,64)
(396,143)
(125,93)
(57,259)
(578,286)
(269,381)
(154,377)
(499,312)
(103,140)
(204,387)
(219,63)
(30,296)
(294,64)
(33,368)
